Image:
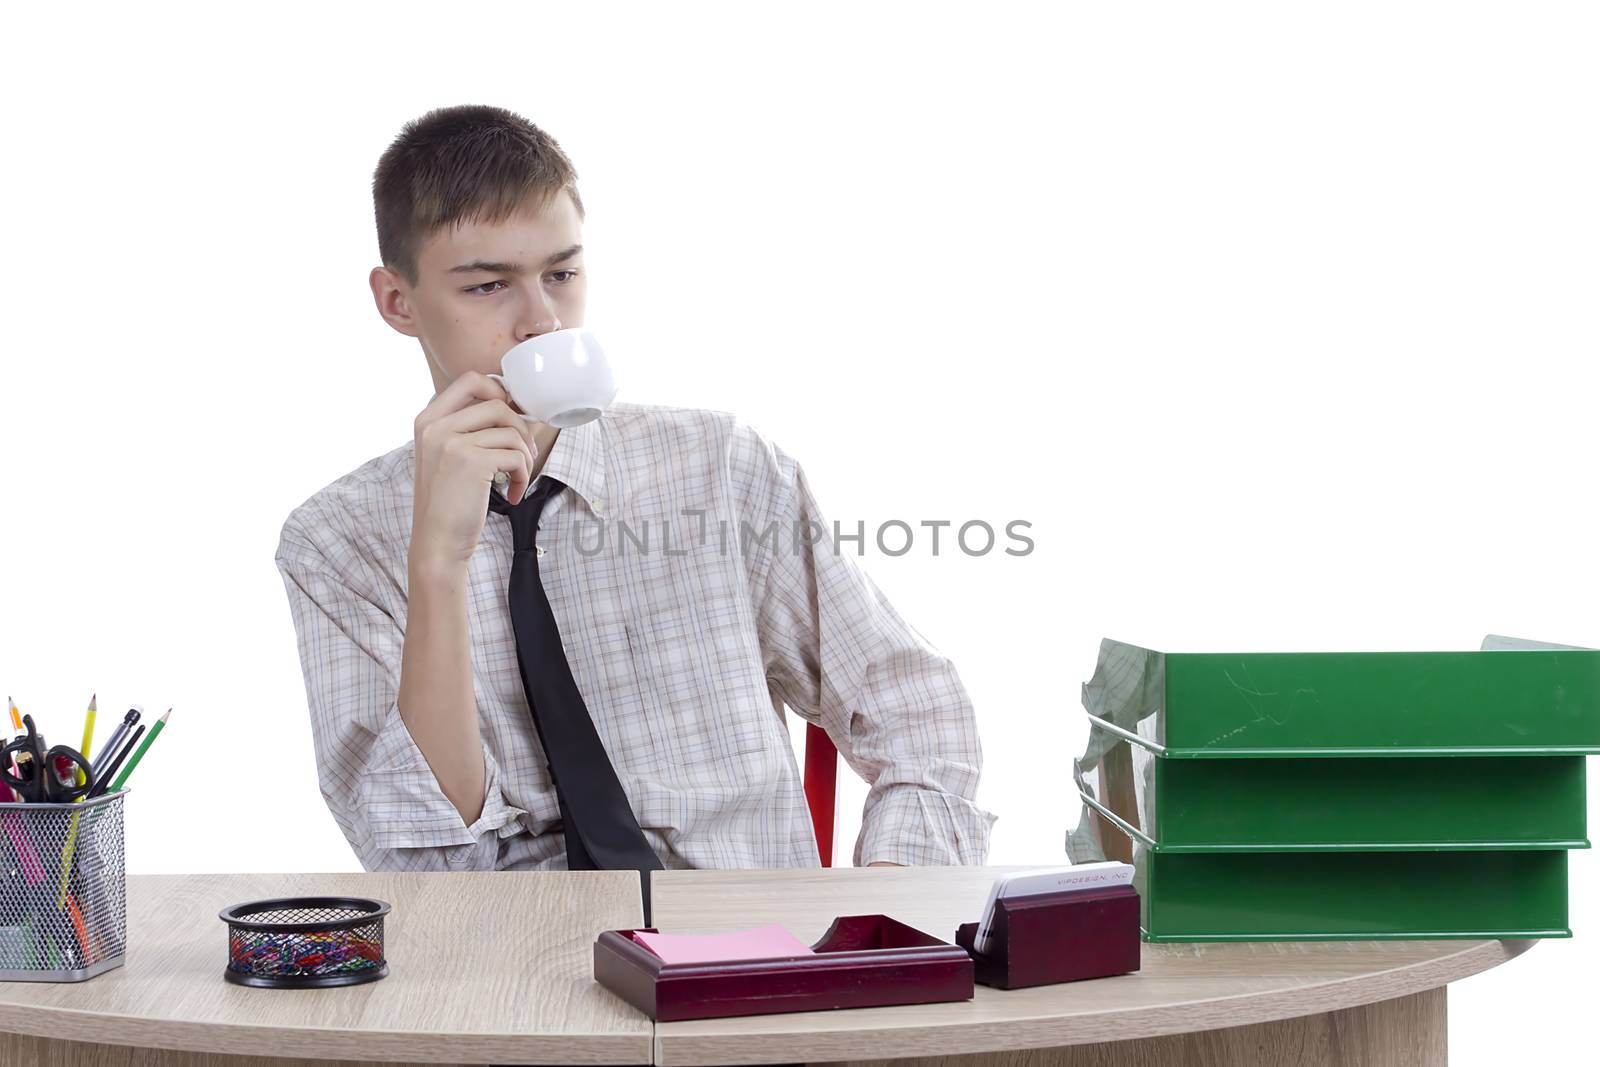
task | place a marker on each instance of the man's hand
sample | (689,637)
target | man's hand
(464,437)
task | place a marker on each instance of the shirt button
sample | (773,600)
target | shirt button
(538,550)
(596,505)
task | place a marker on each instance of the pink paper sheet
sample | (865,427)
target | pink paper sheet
(755,944)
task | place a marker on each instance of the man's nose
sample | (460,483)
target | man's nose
(537,316)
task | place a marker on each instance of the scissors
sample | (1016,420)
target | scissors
(37,779)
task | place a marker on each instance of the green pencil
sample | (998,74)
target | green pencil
(138,754)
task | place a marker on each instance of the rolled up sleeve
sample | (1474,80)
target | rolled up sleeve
(840,656)
(376,781)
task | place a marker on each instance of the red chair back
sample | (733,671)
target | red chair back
(822,787)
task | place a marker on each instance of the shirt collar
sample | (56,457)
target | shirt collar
(577,459)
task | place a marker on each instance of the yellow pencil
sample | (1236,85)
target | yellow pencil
(16,720)
(88,736)
(72,834)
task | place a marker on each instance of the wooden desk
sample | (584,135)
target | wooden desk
(497,968)
(1268,1003)
(484,968)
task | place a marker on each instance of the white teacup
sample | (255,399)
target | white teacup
(561,378)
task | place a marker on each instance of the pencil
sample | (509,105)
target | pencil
(139,755)
(16,720)
(88,736)
(72,834)
(78,925)
(66,857)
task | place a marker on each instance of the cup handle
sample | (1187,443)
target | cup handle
(501,379)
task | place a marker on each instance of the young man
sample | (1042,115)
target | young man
(429,707)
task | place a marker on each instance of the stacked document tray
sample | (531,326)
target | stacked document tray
(1279,796)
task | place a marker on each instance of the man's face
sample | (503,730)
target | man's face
(484,287)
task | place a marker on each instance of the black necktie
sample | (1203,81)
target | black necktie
(600,828)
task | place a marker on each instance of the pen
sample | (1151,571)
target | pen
(116,735)
(105,778)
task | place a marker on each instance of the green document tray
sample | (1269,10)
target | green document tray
(1322,896)
(1513,701)
(1331,804)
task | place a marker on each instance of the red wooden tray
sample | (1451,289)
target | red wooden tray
(1059,937)
(862,961)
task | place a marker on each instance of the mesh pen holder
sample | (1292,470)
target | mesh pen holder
(305,942)
(63,894)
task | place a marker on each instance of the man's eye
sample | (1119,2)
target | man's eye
(479,288)
(572,273)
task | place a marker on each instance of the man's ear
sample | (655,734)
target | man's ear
(390,294)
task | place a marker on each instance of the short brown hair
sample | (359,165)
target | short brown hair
(468,163)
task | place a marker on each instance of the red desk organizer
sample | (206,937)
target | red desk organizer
(1058,937)
(862,961)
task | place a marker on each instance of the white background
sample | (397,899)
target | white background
(1278,325)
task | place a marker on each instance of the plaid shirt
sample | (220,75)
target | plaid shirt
(694,601)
